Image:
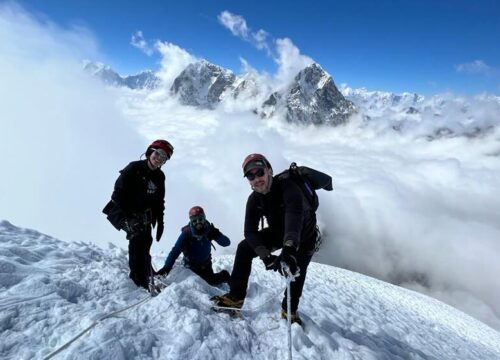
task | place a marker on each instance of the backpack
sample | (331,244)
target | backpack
(309,180)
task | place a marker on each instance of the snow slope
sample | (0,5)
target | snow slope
(51,290)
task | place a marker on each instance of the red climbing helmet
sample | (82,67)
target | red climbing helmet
(196,211)
(160,144)
(254,161)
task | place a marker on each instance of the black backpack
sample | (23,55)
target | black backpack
(309,180)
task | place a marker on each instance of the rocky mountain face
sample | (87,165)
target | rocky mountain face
(311,98)
(143,80)
(202,84)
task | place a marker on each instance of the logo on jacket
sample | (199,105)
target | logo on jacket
(151,188)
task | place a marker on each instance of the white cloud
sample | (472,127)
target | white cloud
(476,67)
(238,27)
(288,57)
(61,137)
(174,60)
(139,42)
(290,61)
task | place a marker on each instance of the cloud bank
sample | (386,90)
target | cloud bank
(62,138)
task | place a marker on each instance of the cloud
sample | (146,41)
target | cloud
(174,60)
(290,61)
(238,27)
(477,67)
(139,42)
(287,56)
(67,125)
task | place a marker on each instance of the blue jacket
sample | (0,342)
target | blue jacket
(196,248)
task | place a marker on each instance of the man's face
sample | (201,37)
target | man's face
(198,221)
(259,179)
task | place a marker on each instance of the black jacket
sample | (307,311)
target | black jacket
(288,213)
(138,189)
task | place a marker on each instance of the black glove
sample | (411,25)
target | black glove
(132,227)
(270,261)
(159,230)
(213,232)
(289,257)
(162,271)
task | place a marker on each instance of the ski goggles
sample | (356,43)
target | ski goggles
(162,155)
(197,219)
(251,175)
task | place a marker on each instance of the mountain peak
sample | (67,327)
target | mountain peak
(146,79)
(202,84)
(311,98)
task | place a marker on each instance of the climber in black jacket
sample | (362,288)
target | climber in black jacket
(138,204)
(291,227)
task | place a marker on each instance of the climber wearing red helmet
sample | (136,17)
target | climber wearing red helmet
(291,226)
(195,242)
(138,204)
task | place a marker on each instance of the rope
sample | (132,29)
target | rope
(289,278)
(64,346)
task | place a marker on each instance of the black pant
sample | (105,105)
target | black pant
(243,266)
(206,272)
(139,259)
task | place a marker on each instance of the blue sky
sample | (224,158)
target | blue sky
(417,46)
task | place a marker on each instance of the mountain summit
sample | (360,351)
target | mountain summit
(144,80)
(202,84)
(311,98)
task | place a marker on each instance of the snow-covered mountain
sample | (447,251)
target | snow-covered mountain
(52,291)
(441,115)
(202,84)
(143,80)
(311,98)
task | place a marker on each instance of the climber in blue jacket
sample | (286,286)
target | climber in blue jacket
(195,243)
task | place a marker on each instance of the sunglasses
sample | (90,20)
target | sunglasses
(162,155)
(251,175)
(197,219)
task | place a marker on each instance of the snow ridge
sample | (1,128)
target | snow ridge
(51,290)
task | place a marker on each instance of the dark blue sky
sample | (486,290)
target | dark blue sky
(417,46)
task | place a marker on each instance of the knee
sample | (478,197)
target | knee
(244,247)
